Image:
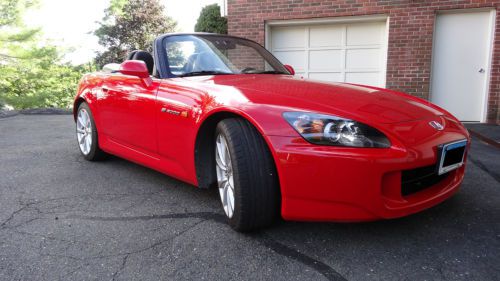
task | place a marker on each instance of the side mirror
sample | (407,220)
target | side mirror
(290,69)
(134,68)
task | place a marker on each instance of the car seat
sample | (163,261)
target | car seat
(145,57)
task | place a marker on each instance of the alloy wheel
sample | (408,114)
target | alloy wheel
(84,131)
(225,179)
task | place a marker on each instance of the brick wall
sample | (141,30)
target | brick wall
(410,34)
(246,57)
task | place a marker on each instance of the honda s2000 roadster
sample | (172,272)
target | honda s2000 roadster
(215,110)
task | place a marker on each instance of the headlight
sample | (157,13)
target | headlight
(333,130)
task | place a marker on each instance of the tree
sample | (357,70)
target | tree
(131,25)
(40,82)
(13,34)
(30,71)
(210,20)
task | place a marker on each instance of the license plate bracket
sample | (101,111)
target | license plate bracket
(451,156)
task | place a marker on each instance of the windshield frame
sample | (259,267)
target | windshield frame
(162,56)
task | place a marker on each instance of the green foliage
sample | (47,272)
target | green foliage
(210,20)
(11,11)
(31,73)
(116,6)
(39,82)
(131,25)
(13,34)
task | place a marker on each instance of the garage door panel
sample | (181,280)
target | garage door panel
(288,37)
(327,59)
(343,52)
(363,58)
(325,36)
(297,59)
(365,78)
(364,34)
(327,76)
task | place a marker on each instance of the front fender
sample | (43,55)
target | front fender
(87,92)
(268,119)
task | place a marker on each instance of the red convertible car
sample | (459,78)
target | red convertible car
(216,110)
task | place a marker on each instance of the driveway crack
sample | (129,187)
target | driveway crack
(327,271)
(122,267)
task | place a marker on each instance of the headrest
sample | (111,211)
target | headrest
(145,57)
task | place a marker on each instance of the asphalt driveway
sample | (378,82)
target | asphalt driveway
(63,218)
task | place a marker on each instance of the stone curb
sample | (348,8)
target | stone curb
(35,111)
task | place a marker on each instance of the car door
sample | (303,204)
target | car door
(128,112)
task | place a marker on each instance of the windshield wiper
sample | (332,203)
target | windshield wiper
(268,72)
(204,72)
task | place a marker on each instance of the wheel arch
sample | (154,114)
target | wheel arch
(86,95)
(79,100)
(204,158)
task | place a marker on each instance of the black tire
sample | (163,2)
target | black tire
(256,186)
(95,153)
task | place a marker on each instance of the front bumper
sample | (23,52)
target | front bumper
(326,183)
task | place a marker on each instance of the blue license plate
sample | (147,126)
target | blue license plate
(451,156)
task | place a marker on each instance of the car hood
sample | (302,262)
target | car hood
(345,100)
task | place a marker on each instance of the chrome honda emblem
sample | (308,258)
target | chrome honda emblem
(436,125)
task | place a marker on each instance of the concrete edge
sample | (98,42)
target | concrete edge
(8,113)
(484,138)
(35,111)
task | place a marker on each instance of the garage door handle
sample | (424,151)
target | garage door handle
(481,70)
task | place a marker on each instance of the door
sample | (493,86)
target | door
(337,52)
(127,112)
(460,68)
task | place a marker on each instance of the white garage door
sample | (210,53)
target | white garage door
(354,53)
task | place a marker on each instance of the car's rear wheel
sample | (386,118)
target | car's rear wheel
(246,176)
(86,134)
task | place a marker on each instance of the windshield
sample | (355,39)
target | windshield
(191,55)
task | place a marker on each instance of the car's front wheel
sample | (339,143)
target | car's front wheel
(86,134)
(246,176)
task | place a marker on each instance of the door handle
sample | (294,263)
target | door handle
(481,70)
